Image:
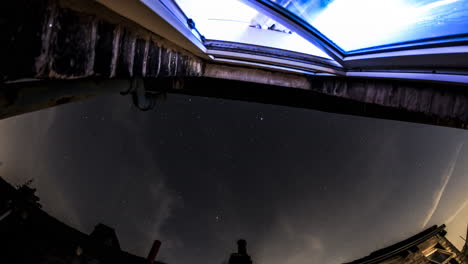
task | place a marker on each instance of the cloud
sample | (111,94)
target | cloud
(21,166)
(445,180)
(147,221)
(451,218)
(292,243)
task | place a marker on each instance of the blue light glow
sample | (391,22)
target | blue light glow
(358,24)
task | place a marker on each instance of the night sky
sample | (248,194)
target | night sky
(300,186)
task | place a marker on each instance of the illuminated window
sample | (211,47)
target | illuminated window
(361,24)
(234,21)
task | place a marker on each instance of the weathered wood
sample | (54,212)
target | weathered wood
(437,100)
(256,76)
(20,39)
(67,39)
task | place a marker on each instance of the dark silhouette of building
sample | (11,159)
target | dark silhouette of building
(241,257)
(29,235)
(465,247)
(430,246)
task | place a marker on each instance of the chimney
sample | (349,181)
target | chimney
(465,246)
(241,257)
(153,252)
(242,247)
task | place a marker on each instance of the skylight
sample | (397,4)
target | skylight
(361,24)
(234,21)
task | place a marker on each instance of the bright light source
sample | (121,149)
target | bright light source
(232,20)
(356,24)
(352,24)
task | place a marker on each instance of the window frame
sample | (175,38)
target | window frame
(261,54)
(433,250)
(173,14)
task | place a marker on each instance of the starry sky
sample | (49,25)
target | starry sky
(301,186)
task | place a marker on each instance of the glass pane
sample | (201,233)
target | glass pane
(232,20)
(438,256)
(359,24)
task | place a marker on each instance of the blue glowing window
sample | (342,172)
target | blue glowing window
(234,21)
(361,24)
